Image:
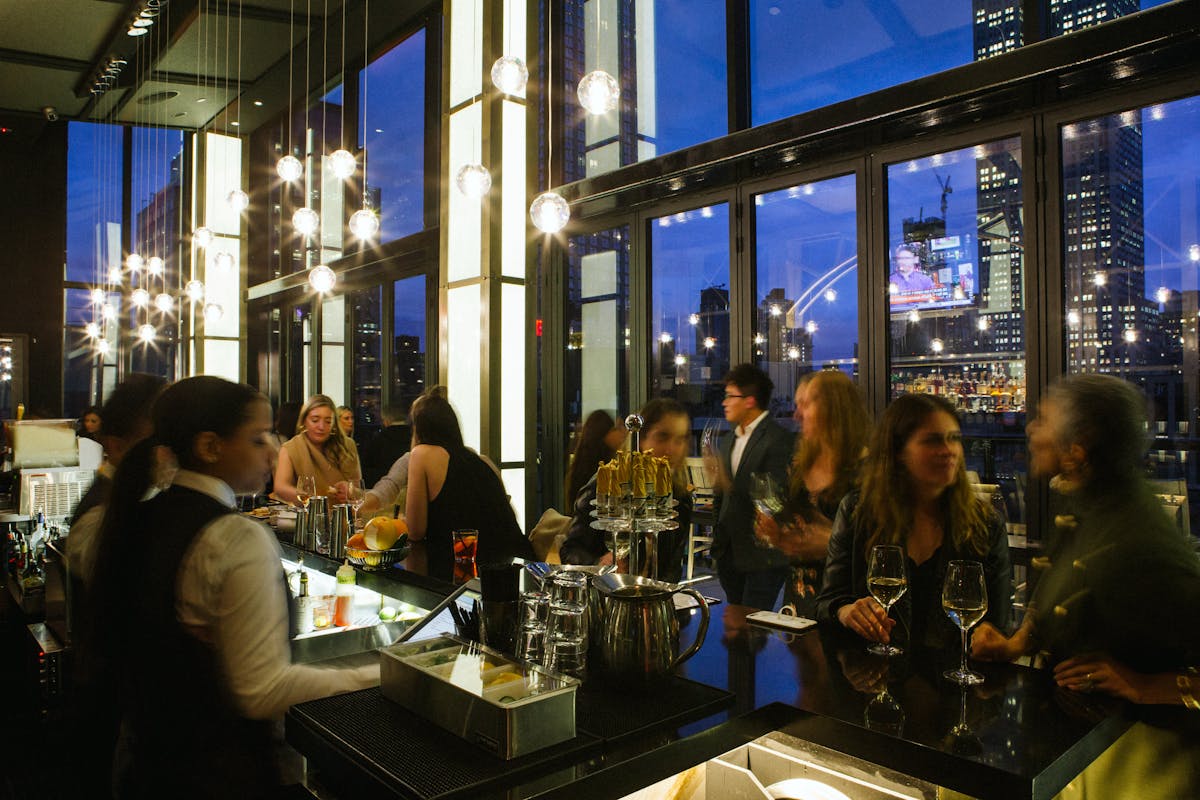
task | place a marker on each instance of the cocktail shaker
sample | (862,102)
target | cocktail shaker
(341,528)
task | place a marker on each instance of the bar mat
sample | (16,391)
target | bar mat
(391,748)
(614,711)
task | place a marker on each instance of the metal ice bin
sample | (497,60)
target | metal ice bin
(505,706)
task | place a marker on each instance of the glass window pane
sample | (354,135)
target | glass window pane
(299,346)
(956,245)
(80,364)
(333,348)
(408,341)
(596,364)
(806,261)
(95,155)
(157,189)
(805,55)
(1131,263)
(689,316)
(1067,16)
(366,383)
(654,51)
(392,129)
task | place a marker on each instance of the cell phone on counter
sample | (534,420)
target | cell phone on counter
(785,622)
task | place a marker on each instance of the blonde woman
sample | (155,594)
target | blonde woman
(320,449)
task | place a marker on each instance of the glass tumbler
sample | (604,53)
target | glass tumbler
(569,586)
(535,607)
(568,655)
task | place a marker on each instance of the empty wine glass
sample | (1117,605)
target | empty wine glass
(887,581)
(765,494)
(356,494)
(964,597)
(306,487)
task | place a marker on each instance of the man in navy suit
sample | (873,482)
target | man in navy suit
(750,574)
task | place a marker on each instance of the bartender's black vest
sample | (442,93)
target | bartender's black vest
(188,741)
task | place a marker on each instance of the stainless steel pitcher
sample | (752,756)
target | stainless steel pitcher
(341,528)
(639,629)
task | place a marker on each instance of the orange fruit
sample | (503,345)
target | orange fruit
(357,541)
(380,533)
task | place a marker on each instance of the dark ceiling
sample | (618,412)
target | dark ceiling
(189,70)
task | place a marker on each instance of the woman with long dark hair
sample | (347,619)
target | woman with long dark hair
(450,487)
(915,494)
(597,442)
(203,584)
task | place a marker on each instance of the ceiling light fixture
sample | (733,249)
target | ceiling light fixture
(549,211)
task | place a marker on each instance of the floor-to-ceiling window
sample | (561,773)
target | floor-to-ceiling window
(1130,196)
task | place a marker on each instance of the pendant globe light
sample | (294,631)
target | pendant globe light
(194,290)
(164,302)
(213,312)
(238,200)
(134,262)
(202,237)
(598,91)
(223,262)
(510,75)
(306,221)
(322,279)
(289,168)
(114,275)
(147,332)
(155,266)
(473,179)
(342,163)
(364,223)
(549,211)
(139,297)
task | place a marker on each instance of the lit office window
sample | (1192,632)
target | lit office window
(806,262)
(805,55)
(1068,16)
(392,130)
(1131,264)
(689,314)
(956,236)
(596,364)
(667,57)
(366,367)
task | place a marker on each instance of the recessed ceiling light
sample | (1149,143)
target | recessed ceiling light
(258,103)
(142,22)
(136,32)
(179,114)
(235,124)
(201,99)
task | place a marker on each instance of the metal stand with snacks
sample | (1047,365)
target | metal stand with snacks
(634,504)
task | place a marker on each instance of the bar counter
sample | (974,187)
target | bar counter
(1014,736)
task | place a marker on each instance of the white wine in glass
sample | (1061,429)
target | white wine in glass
(964,598)
(887,581)
(306,487)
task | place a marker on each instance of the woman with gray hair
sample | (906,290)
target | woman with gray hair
(1116,608)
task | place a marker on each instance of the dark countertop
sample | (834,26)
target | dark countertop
(1025,737)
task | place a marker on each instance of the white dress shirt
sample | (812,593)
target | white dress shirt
(741,435)
(231,596)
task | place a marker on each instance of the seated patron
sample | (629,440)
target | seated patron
(320,449)
(450,487)
(914,494)
(665,432)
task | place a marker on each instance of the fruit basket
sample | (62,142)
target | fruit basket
(372,560)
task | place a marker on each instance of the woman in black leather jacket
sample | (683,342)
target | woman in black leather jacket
(914,494)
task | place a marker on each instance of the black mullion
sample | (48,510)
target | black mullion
(737,63)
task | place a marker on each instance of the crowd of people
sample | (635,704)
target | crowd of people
(156,546)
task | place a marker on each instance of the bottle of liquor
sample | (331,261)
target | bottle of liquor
(303,608)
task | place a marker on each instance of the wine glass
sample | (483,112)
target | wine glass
(356,494)
(887,581)
(306,487)
(765,494)
(964,597)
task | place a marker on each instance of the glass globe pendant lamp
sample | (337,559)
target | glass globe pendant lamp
(213,312)
(473,180)
(321,278)
(134,262)
(194,291)
(550,212)
(342,164)
(599,92)
(98,296)
(114,274)
(364,224)
(92,330)
(306,221)
(155,265)
(289,168)
(238,200)
(108,311)
(164,302)
(139,297)
(510,75)
(202,237)
(146,332)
